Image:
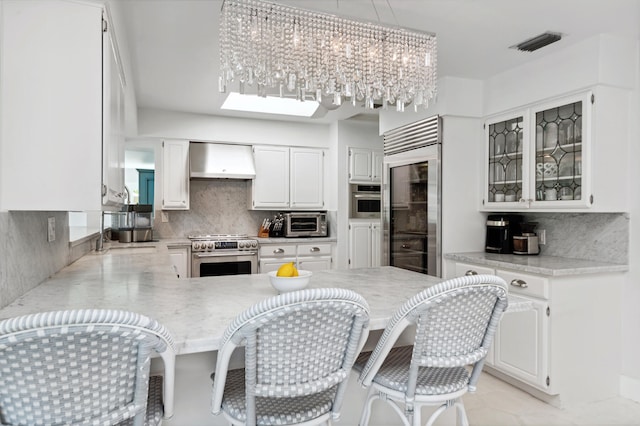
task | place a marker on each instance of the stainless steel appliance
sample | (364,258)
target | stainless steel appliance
(501,229)
(223,254)
(366,201)
(217,160)
(527,243)
(305,224)
(411,210)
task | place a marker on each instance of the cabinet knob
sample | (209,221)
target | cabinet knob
(278,251)
(314,249)
(519,283)
(470,272)
(406,246)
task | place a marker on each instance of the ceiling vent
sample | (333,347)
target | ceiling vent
(537,42)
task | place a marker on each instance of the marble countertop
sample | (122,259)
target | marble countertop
(298,240)
(138,277)
(539,264)
(196,311)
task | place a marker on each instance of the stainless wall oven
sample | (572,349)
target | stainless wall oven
(366,201)
(216,255)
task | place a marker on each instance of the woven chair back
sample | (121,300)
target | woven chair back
(451,326)
(76,367)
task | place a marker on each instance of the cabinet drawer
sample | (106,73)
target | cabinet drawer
(465,268)
(530,285)
(278,250)
(314,249)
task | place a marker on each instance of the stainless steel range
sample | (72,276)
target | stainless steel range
(223,254)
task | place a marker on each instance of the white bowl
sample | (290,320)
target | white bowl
(286,284)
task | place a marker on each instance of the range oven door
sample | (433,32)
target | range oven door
(228,263)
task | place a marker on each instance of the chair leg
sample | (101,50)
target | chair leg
(366,411)
(417,415)
(461,416)
(441,409)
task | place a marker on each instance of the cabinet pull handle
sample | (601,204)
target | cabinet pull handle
(314,249)
(470,272)
(406,246)
(278,251)
(519,283)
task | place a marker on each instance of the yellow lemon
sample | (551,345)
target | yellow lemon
(287,270)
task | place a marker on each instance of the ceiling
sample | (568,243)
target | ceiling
(174,54)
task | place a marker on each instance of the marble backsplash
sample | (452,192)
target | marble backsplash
(218,206)
(589,236)
(26,257)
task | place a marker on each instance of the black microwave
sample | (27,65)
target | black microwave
(366,201)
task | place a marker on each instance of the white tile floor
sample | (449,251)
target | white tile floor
(497,403)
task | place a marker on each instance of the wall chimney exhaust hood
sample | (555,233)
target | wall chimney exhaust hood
(221,161)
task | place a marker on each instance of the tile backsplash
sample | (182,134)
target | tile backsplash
(589,236)
(27,258)
(217,206)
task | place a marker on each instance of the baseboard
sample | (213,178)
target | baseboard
(630,388)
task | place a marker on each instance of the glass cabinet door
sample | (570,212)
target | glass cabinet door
(558,153)
(505,159)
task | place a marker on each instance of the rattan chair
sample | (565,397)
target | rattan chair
(454,325)
(84,367)
(299,350)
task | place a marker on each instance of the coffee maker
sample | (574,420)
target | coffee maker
(527,242)
(501,228)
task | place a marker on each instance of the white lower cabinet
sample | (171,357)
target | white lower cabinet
(364,243)
(180,259)
(306,256)
(571,334)
(314,257)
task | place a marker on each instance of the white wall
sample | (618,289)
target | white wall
(456,96)
(208,128)
(630,383)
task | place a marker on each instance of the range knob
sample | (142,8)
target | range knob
(241,244)
(210,245)
(196,246)
(254,244)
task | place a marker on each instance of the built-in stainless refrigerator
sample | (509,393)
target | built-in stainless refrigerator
(412,210)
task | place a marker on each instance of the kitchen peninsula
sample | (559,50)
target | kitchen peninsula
(139,277)
(195,310)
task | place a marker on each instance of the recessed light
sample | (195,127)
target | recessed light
(270,105)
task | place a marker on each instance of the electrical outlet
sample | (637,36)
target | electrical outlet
(164,216)
(51,229)
(542,236)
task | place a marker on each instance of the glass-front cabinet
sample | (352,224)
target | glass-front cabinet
(506,159)
(537,157)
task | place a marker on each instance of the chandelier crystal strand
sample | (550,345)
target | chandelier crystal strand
(300,53)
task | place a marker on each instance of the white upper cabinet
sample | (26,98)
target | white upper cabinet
(365,165)
(113,118)
(270,187)
(307,178)
(52,95)
(556,155)
(175,175)
(288,178)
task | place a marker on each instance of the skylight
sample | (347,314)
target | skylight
(269,105)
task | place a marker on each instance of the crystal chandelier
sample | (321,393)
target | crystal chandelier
(324,57)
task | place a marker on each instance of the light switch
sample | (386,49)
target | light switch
(51,231)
